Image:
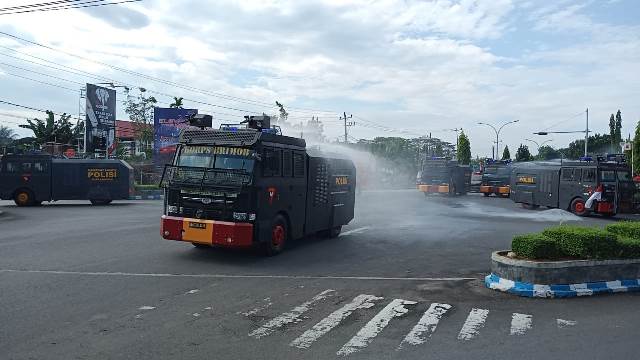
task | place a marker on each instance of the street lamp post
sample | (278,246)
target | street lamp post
(497,131)
(457,138)
(539,145)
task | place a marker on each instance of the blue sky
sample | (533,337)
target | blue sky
(414,66)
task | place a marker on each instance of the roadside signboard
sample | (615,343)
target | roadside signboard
(100,118)
(167,123)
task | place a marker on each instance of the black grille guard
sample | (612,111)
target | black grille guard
(202,178)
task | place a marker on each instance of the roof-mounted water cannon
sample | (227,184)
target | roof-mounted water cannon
(201,120)
(261,123)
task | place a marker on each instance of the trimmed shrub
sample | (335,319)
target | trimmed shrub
(583,242)
(628,248)
(627,229)
(535,246)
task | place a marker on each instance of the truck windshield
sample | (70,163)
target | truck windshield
(216,157)
(502,171)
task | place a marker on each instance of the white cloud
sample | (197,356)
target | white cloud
(418,65)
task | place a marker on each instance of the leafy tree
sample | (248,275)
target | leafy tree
(598,144)
(612,129)
(636,149)
(618,132)
(523,153)
(283,113)
(51,130)
(546,152)
(6,135)
(464,149)
(140,111)
(177,103)
(506,155)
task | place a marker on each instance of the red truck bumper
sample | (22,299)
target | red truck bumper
(208,232)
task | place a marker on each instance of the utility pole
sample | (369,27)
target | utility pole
(497,131)
(350,123)
(586,135)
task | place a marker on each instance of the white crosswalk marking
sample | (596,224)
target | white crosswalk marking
(472,325)
(426,325)
(291,316)
(565,323)
(520,323)
(362,339)
(325,325)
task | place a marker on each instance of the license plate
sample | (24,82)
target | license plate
(197,225)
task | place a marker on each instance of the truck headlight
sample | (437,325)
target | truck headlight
(239,216)
(172,209)
(252,217)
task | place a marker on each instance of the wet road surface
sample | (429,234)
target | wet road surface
(404,280)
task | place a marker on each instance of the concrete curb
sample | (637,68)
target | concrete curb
(495,282)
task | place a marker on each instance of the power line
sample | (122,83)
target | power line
(74,6)
(41,82)
(32,108)
(39,5)
(567,119)
(166,82)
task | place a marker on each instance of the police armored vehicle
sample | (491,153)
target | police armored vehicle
(444,176)
(496,178)
(250,186)
(603,185)
(33,178)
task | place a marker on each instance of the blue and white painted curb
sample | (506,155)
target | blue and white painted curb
(560,291)
(147,197)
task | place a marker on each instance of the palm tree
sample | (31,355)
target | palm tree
(177,103)
(6,135)
(49,130)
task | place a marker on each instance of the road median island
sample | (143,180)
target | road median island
(568,261)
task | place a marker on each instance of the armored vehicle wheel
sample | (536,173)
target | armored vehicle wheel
(100,202)
(578,207)
(279,233)
(486,194)
(23,198)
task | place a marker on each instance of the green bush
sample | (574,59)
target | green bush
(628,248)
(627,229)
(146,187)
(535,246)
(584,243)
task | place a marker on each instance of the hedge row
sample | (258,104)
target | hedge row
(620,240)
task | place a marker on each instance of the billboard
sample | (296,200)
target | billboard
(100,120)
(167,123)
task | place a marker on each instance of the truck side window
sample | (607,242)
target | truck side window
(569,174)
(287,163)
(298,165)
(39,167)
(26,167)
(588,175)
(271,162)
(12,167)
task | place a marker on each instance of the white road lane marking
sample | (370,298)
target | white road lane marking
(520,323)
(146,307)
(426,325)
(257,309)
(565,323)
(226,276)
(194,291)
(473,324)
(325,325)
(362,339)
(355,231)
(291,316)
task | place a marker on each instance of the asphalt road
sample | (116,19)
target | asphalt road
(404,280)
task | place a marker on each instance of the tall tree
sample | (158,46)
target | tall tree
(464,149)
(61,131)
(523,153)
(177,103)
(612,129)
(546,152)
(140,111)
(283,113)
(636,149)
(6,135)
(506,155)
(618,132)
